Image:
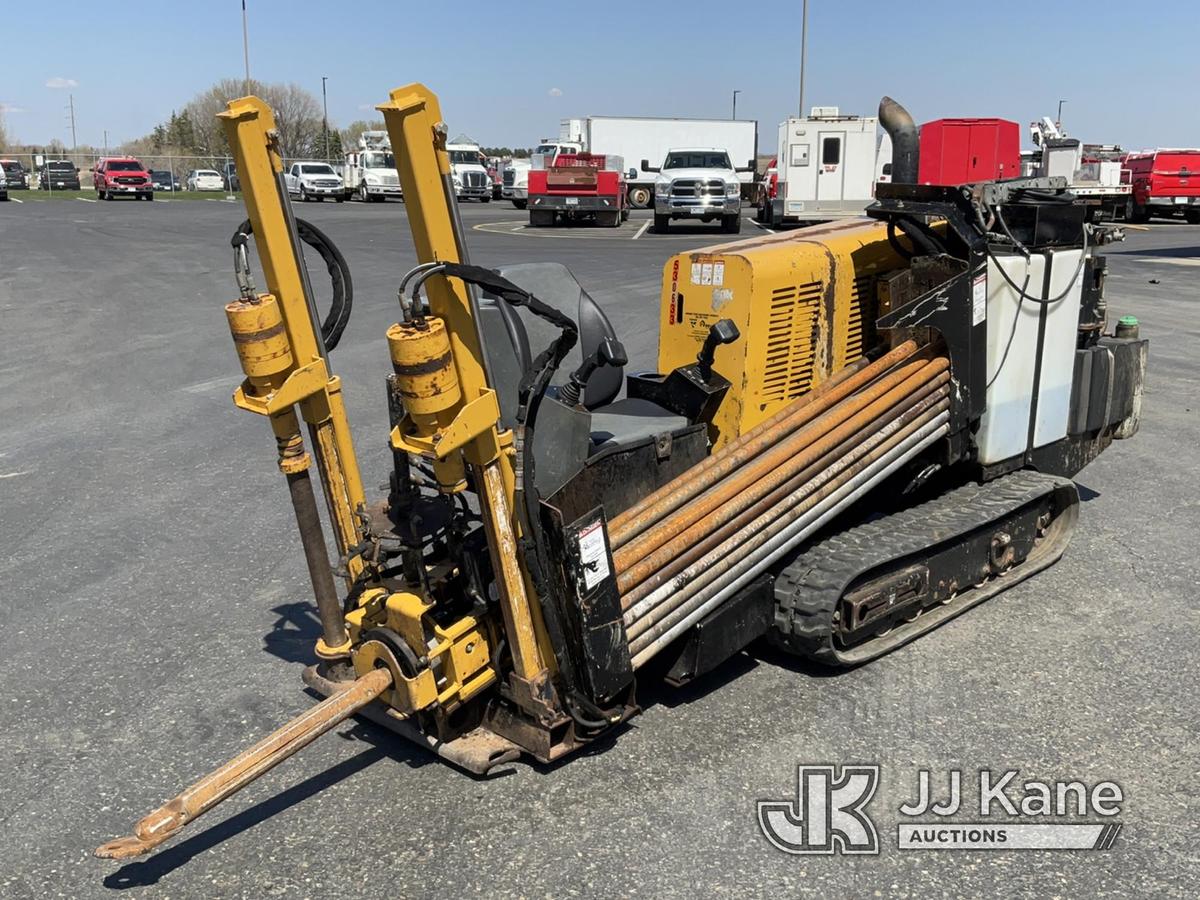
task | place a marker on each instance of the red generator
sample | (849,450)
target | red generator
(963,151)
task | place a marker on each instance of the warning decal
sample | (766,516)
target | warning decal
(593,555)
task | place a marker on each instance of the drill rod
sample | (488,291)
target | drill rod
(304,502)
(244,768)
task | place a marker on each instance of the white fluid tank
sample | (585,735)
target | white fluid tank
(1004,430)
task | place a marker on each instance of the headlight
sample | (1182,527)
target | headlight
(662,188)
(734,189)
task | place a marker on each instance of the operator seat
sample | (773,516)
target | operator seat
(508,333)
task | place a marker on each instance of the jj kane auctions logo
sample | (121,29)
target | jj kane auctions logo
(829,813)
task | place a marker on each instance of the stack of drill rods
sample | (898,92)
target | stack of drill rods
(759,475)
(781,541)
(633,521)
(791,464)
(659,603)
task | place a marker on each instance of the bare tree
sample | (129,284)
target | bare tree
(297,115)
(3,134)
(352,132)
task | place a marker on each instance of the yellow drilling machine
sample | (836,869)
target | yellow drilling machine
(856,432)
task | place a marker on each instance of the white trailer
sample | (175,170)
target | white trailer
(638,138)
(827,164)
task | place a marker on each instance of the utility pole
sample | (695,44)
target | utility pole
(735,93)
(71,106)
(324,118)
(246,48)
(803,52)
(1058,122)
(106,142)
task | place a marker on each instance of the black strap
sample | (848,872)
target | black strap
(534,379)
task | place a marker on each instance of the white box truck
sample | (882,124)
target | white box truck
(369,172)
(637,138)
(827,164)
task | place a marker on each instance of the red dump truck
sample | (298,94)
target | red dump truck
(1165,182)
(578,186)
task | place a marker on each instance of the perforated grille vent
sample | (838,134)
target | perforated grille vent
(790,333)
(860,333)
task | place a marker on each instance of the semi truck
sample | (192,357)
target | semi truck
(470,176)
(636,138)
(369,172)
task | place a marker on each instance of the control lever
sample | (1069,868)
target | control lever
(609,352)
(723,332)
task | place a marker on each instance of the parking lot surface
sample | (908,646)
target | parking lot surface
(156,618)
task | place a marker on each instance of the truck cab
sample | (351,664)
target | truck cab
(698,183)
(369,172)
(516,177)
(471,181)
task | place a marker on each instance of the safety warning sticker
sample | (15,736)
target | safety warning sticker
(593,554)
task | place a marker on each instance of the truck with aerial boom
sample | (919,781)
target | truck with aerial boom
(369,173)
(855,433)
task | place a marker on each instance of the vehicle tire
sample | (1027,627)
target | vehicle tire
(520,204)
(625,214)
(661,223)
(640,197)
(149,197)
(341,199)
(1192,216)
(304,198)
(1135,212)
(363,195)
(541,218)
(485,199)
(731,224)
(108,195)
(608,219)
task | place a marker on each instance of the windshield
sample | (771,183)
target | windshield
(379,161)
(461,157)
(317,170)
(12,167)
(546,148)
(126,165)
(60,166)
(698,159)
(207,173)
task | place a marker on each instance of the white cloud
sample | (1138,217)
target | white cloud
(59,82)
(555,92)
(8,108)
(367,107)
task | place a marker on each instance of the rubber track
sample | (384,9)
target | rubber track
(808,589)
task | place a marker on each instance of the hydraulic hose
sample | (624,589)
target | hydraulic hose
(339,276)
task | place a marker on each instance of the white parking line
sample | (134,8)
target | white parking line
(16,200)
(760,225)
(84,200)
(641,230)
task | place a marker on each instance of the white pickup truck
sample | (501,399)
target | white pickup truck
(697,183)
(313,180)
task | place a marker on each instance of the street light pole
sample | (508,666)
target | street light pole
(324,118)
(1058,121)
(735,93)
(803,52)
(246,49)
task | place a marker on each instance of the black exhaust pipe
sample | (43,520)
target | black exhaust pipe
(906,148)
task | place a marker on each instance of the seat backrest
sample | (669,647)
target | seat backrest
(554,285)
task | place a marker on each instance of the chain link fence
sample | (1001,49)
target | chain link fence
(33,169)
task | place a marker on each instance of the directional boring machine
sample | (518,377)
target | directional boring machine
(856,432)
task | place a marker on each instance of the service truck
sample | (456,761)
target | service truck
(826,166)
(579,186)
(369,172)
(636,138)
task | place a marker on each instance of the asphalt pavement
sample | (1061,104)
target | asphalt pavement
(155,618)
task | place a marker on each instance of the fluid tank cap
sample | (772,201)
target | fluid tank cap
(1127,320)
(1127,328)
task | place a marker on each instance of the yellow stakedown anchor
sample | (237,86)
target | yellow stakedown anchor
(428,383)
(256,324)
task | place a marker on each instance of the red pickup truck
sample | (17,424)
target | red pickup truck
(116,175)
(1164,182)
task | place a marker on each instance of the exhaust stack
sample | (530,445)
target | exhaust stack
(906,149)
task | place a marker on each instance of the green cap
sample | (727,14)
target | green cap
(1127,320)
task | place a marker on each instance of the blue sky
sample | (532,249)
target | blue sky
(508,71)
